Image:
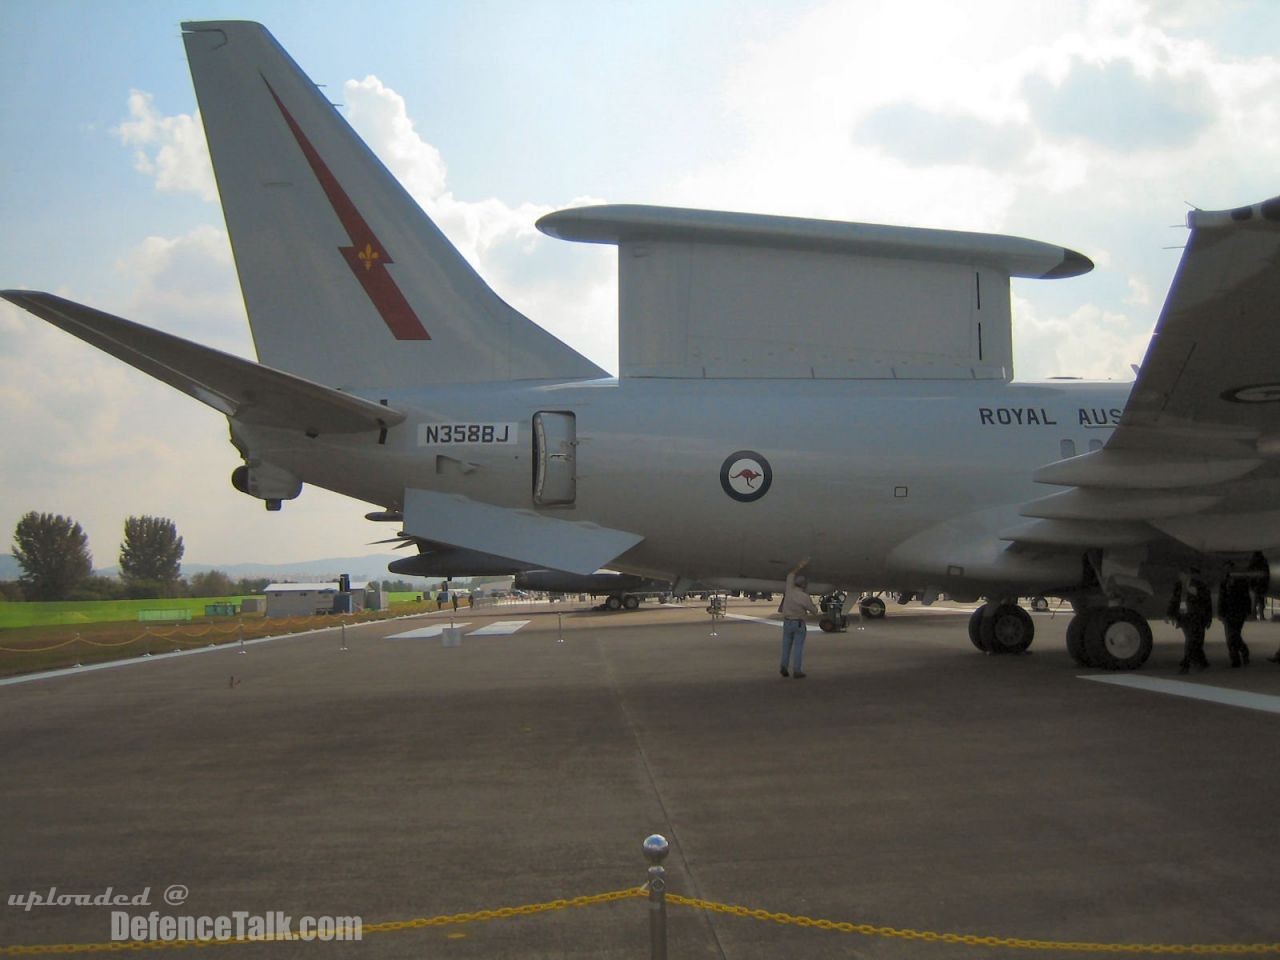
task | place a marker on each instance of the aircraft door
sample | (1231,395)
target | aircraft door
(555,469)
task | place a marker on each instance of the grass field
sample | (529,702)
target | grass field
(46,636)
(76,612)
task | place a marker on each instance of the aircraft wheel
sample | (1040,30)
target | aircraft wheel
(1117,638)
(975,629)
(1039,604)
(613,603)
(871,607)
(631,603)
(1008,630)
(1075,639)
(827,625)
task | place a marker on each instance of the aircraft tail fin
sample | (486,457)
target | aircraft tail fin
(345,279)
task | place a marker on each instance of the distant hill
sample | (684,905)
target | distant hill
(360,568)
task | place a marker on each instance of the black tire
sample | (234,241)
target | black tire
(1075,639)
(1117,638)
(1039,604)
(630,602)
(975,629)
(1008,630)
(613,603)
(872,608)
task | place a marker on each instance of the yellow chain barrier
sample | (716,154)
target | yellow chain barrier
(532,909)
(391,926)
(64,643)
(973,940)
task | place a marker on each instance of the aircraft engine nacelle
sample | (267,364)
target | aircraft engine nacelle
(266,482)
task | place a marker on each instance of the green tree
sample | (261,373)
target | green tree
(54,554)
(98,588)
(214,583)
(151,551)
(251,586)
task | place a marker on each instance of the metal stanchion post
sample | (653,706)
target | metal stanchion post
(560,621)
(717,611)
(242,649)
(146,641)
(344,638)
(655,851)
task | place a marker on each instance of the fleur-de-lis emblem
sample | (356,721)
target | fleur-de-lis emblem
(368,256)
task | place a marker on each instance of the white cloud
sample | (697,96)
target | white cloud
(1091,342)
(571,293)
(172,150)
(187,286)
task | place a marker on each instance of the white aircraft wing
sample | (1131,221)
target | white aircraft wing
(239,388)
(1196,455)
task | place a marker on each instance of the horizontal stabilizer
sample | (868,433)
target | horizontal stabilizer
(522,535)
(239,388)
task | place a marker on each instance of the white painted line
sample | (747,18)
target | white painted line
(154,658)
(499,628)
(426,633)
(743,616)
(1180,688)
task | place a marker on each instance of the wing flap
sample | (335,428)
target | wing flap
(241,389)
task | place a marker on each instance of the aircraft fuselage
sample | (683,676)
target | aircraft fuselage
(856,469)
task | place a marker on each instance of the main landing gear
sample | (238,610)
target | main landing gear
(1001,628)
(1109,638)
(1113,638)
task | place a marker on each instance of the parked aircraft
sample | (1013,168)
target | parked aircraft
(390,372)
(622,591)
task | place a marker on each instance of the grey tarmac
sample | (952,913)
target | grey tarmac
(909,782)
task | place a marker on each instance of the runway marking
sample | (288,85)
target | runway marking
(1180,688)
(425,633)
(500,628)
(750,619)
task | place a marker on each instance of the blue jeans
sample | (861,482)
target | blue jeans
(793,634)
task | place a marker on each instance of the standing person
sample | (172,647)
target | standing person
(1260,581)
(796,603)
(1191,610)
(1235,606)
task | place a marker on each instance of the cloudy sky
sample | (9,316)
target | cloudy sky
(1090,125)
